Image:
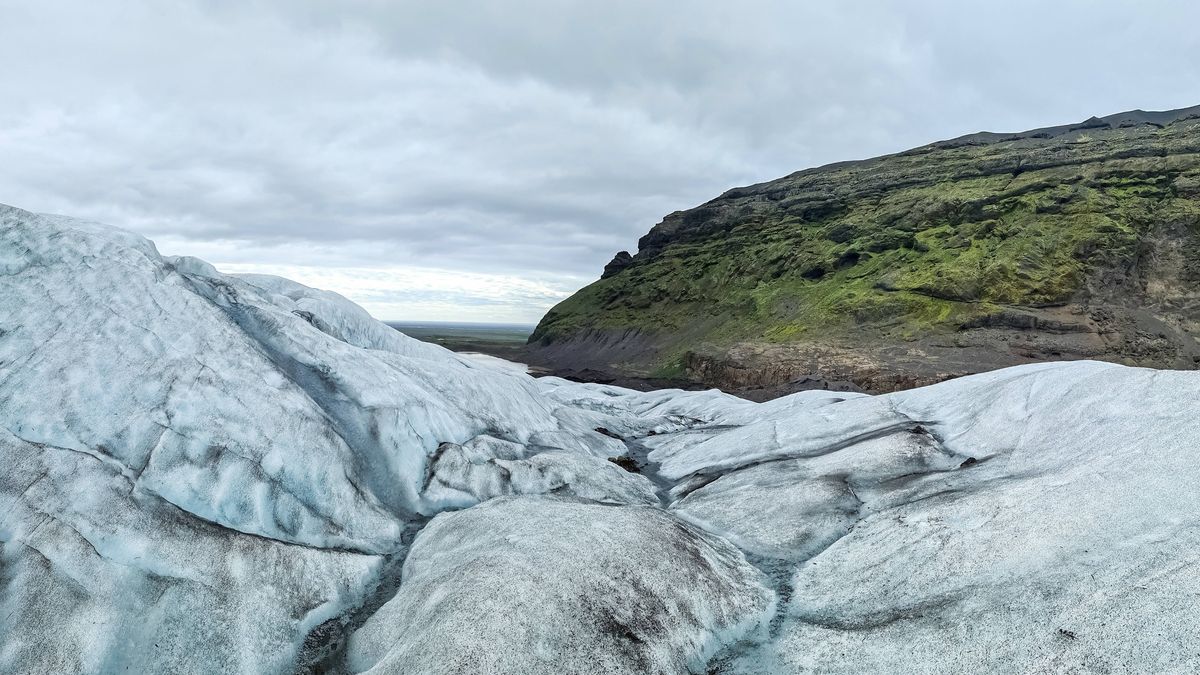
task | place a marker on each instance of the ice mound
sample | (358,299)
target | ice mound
(1036,519)
(217,473)
(483,468)
(188,445)
(98,577)
(567,587)
(256,404)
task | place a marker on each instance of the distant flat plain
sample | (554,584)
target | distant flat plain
(504,340)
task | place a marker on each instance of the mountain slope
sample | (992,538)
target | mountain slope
(1078,241)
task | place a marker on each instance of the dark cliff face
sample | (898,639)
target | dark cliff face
(1078,241)
(619,262)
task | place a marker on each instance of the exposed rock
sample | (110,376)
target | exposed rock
(619,262)
(1074,242)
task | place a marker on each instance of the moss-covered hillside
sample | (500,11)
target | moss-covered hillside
(1071,240)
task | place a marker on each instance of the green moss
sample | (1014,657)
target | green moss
(936,239)
(672,369)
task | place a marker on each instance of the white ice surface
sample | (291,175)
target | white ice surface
(257,404)
(96,577)
(483,468)
(229,461)
(546,586)
(1037,519)
(214,473)
(494,362)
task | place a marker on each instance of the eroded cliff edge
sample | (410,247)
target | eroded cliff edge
(990,250)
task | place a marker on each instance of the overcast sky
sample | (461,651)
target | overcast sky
(479,161)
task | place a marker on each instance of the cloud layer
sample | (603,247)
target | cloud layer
(480,160)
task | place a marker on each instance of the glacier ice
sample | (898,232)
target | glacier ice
(237,473)
(547,585)
(98,577)
(484,468)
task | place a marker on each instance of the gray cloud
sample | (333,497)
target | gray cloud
(526,139)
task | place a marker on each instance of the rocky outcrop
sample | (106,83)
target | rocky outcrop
(985,251)
(619,262)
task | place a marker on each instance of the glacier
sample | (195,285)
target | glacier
(208,472)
